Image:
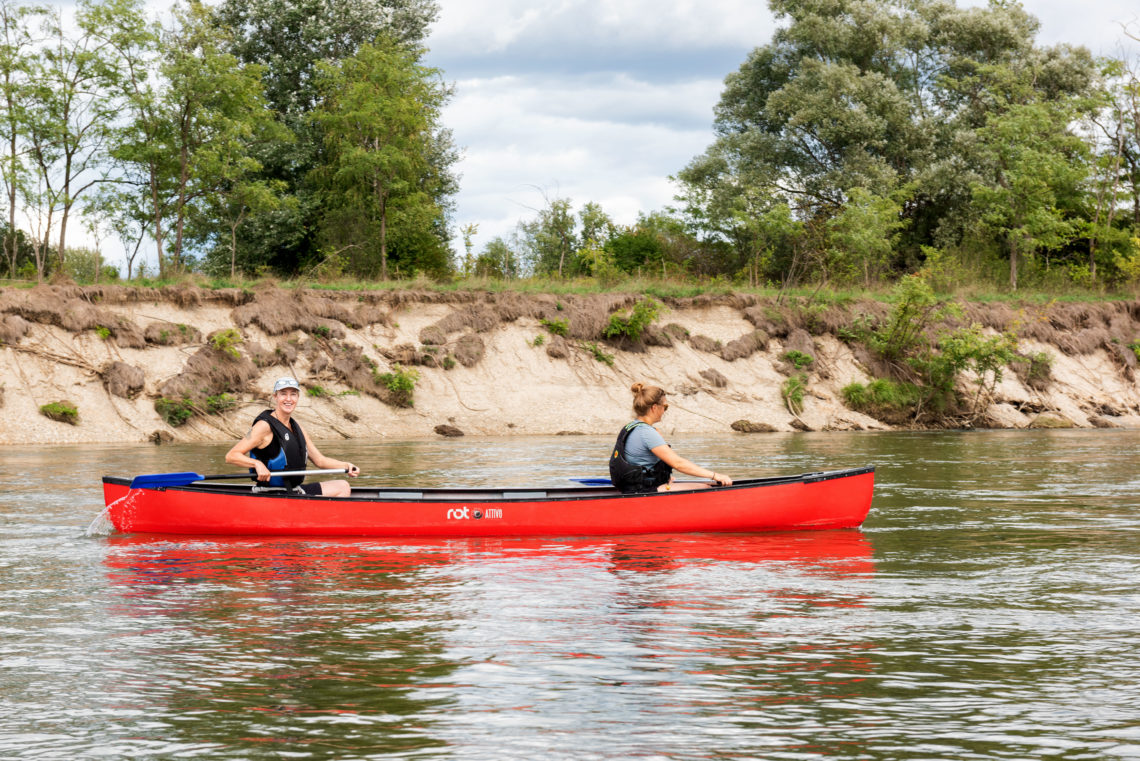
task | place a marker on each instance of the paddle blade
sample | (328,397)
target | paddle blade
(155,480)
(593,481)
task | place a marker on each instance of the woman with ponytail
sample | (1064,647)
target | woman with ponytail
(641,461)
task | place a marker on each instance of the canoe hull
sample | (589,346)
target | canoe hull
(836,499)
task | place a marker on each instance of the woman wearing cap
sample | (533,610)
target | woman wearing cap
(276,442)
(641,461)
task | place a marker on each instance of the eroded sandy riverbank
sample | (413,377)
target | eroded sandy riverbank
(113,351)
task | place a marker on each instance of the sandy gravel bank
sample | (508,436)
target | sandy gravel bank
(486,365)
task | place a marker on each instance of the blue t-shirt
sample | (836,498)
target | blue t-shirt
(642,439)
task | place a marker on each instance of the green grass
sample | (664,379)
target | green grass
(223,402)
(557,327)
(882,396)
(174,411)
(798,359)
(227,341)
(401,382)
(793,393)
(63,412)
(981,286)
(598,353)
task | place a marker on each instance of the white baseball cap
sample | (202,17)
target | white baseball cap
(286,383)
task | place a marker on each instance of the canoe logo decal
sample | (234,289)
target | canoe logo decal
(465,513)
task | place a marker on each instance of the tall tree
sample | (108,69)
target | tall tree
(380,121)
(1033,167)
(877,94)
(71,116)
(17,44)
(291,39)
(863,234)
(216,107)
(138,147)
(551,238)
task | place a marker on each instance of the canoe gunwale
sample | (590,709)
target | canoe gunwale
(495,495)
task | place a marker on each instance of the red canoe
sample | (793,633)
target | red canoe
(825,500)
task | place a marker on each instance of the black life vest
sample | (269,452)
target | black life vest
(632,478)
(287,451)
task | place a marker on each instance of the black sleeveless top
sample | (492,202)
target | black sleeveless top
(287,451)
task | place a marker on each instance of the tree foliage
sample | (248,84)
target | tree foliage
(380,121)
(858,105)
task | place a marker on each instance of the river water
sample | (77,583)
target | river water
(988,609)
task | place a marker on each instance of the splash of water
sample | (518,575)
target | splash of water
(102,525)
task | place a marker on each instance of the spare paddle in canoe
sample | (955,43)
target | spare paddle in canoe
(158,480)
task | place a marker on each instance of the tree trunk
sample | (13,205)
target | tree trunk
(154,199)
(65,212)
(11,243)
(131,258)
(233,251)
(1013,263)
(383,239)
(180,211)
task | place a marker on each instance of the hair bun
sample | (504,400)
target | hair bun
(636,387)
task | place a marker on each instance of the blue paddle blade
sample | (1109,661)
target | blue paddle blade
(154,480)
(593,481)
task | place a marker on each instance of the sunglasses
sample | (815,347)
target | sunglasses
(664,405)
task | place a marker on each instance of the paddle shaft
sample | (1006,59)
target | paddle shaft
(162,480)
(277,473)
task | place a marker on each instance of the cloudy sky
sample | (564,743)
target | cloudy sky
(602,100)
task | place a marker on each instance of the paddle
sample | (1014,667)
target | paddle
(157,480)
(608,482)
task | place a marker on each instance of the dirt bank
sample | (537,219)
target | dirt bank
(495,363)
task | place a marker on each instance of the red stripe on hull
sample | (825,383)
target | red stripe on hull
(830,501)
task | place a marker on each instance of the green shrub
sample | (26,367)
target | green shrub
(916,309)
(798,359)
(1135,347)
(1041,366)
(102,332)
(174,411)
(401,382)
(965,349)
(599,354)
(631,326)
(223,402)
(884,399)
(227,341)
(539,340)
(63,412)
(316,391)
(448,362)
(557,326)
(793,393)
(322,331)
(1035,370)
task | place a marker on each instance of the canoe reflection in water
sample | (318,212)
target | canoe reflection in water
(158,559)
(402,645)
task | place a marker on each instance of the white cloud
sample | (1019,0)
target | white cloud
(610,140)
(602,100)
(476,28)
